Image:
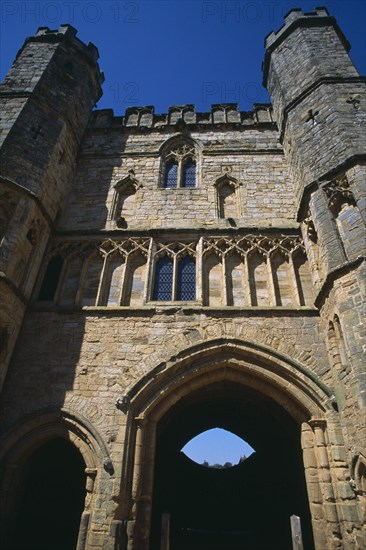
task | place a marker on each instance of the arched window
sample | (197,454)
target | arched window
(189,175)
(179,168)
(175,279)
(186,280)
(163,285)
(171,175)
(50,280)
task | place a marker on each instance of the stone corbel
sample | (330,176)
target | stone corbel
(123,402)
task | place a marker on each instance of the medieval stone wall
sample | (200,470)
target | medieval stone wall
(259,216)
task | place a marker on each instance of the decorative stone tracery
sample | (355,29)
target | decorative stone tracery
(245,271)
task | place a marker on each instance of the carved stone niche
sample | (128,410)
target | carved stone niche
(227,197)
(339,193)
(124,200)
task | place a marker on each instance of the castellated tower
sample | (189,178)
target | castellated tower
(46,100)
(172,273)
(319,103)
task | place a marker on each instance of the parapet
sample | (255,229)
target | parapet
(294,19)
(297,18)
(184,115)
(65,32)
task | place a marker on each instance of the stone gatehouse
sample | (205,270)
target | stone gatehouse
(163,274)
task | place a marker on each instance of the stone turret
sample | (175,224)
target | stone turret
(317,93)
(319,103)
(46,101)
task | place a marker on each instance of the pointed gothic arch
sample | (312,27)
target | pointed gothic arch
(222,363)
(180,163)
(29,437)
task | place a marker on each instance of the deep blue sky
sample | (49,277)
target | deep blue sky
(217,446)
(172,52)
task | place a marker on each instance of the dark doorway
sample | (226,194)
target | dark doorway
(53,498)
(247,507)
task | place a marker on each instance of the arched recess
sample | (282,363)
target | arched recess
(284,295)
(124,200)
(91,279)
(228,198)
(134,290)
(236,280)
(359,468)
(228,366)
(70,281)
(113,279)
(259,279)
(302,282)
(213,291)
(22,444)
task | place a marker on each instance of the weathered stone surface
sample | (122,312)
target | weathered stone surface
(272,221)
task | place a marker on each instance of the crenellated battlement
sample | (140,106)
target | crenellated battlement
(65,32)
(220,113)
(297,18)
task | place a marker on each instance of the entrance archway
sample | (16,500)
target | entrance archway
(248,506)
(285,402)
(52,499)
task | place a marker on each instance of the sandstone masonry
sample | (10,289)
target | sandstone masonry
(161,274)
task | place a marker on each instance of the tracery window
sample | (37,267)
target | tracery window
(179,168)
(175,279)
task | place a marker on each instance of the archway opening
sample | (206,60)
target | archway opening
(52,498)
(248,506)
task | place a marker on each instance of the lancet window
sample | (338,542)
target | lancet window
(175,273)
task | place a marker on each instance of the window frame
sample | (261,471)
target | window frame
(181,152)
(181,163)
(176,259)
